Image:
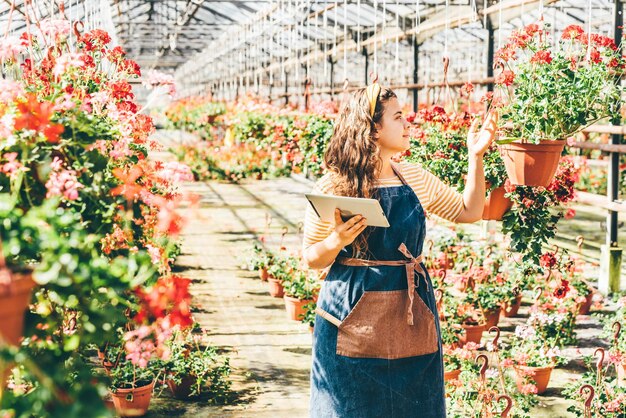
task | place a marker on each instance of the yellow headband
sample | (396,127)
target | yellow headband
(372,92)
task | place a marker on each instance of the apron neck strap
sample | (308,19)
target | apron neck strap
(396,169)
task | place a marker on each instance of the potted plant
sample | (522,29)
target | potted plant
(299,290)
(309,315)
(552,92)
(533,358)
(132,387)
(19,250)
(192,368)
(465,316)
(280,271)
(261,260)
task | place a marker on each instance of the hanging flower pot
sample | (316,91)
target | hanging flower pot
(492,317)
(509,311)
(263,274)
(276,287)
(531,164)
(540,375)
(496,205)
(295,307)
(132,402)
(14,299)
(473,334)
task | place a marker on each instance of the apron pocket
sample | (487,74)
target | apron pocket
(377,327)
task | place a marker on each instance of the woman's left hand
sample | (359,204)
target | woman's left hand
(478,141)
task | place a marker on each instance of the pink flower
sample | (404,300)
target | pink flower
(62,182)
(507,362)
(66,62)
(528,389)
(55,27)
(10,48)
(175,172)
(156,79)
(570,213)
(155,253)
(12,166)
(9,90)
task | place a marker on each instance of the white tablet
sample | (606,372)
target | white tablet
(324,206)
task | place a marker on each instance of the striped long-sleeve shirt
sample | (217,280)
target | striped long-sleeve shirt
(436,198)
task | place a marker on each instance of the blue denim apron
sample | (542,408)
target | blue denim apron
(376,342)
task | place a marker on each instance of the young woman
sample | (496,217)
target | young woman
(376,343)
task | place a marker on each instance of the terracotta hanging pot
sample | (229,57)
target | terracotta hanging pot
(275,287)
(295,307)
(183,389)
(473,334)
(451,375)
(541,376)
(14,300)
(132,402)
(509,311)
(585,307)
(531,164)
(496,205)
(492,317)
(263,274)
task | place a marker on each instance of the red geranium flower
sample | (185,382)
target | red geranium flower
(541,57)
(572,32)
(506,77)
(121,90)
(548,260)
(562,290)
(35,116)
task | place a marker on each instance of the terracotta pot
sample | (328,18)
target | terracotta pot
(511,311)
(295,307)
(531,164)
(132,402)
(621,375)
(496,205)
(492,317)
(451,375)
(473,334)
(105,363)
(182,390)
(275,287)
(263,274)
(311,328)
(541,376)
(585,307)
(14,300)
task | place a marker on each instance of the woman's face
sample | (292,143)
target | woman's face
(393,130)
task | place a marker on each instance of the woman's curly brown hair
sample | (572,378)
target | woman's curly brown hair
(353,156)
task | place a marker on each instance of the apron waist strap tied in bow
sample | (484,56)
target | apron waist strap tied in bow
(412,265)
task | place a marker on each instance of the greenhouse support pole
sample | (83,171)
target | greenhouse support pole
(416,54)
(490,51)
(332,77)
(286,88)
(367,63)
(611,262)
